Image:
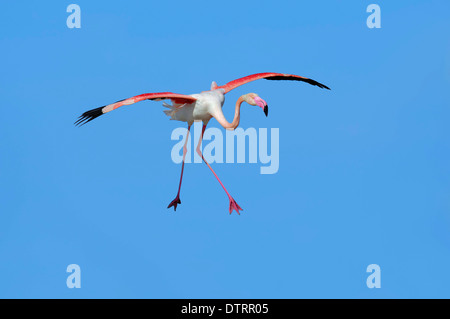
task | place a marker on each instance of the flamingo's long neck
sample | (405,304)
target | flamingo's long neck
(237,113)
(218,115)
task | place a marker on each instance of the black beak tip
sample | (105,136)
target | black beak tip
(266,110)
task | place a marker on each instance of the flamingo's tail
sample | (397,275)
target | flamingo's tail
(172,109)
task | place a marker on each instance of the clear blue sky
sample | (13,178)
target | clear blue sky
(364,171)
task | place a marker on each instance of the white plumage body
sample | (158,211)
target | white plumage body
(208,104)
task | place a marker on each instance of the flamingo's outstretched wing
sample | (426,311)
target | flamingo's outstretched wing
(94,113)
(269,76)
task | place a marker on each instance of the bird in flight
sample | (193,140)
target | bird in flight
(202,107)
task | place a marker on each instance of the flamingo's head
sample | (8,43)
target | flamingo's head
(254,99)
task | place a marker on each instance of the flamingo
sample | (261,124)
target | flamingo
(202,107)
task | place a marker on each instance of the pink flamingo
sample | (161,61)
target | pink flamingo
(202,107)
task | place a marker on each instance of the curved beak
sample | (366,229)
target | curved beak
(262,104)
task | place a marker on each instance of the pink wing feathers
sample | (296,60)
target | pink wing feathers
(94,113)
(269,76)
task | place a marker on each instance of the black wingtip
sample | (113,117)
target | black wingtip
(323,86)
(294,78)
(89,116)
(266,110)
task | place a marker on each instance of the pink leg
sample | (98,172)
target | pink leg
(233,204)
(177,200)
